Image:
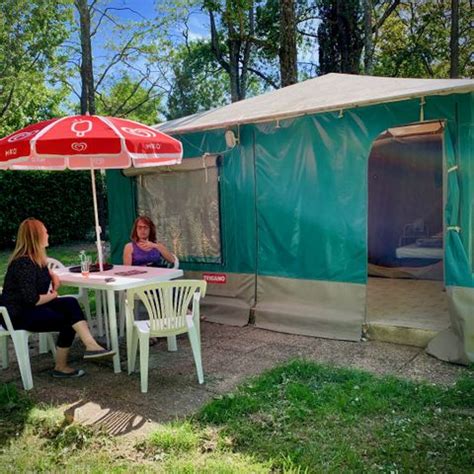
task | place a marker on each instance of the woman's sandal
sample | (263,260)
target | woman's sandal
(98,354)
(57,374)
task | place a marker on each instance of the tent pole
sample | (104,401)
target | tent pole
(98,230)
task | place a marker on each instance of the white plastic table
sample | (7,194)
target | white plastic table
(97,281)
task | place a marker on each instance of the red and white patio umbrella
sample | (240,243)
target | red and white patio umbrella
(88,142)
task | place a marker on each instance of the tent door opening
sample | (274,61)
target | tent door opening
(406,300)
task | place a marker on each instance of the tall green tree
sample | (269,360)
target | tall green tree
(131,99)
(199,82)
(31,32)
(284,29)
(376,13)
(126,57)
(416,41)
(232,25)
(278,37)
(340,36)
(259,39)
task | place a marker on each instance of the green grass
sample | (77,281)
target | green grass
(301,417)
(38,439)
(322,419)
(298,418)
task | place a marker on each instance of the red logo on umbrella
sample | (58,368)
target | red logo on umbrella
(22,135)
(139,132)
(81,127)
(79,146)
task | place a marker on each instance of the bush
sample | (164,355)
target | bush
(62,200)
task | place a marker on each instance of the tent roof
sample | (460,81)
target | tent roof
(324,93)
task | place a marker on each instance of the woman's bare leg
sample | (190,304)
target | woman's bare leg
(61,360)
(84,333)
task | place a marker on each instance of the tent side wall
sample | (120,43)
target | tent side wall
(312,253)
(456,344)
(230,302)
(294,212)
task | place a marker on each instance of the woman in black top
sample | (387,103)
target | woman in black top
(31,298)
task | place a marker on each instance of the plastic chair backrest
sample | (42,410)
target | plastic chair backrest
(167,302)
(165,264)
(54,264)
(6,323)
(6,319)
(8,326)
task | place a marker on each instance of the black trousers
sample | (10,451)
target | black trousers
(58,315)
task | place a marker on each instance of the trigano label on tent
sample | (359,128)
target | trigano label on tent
(215,278)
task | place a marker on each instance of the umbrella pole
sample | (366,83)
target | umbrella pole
(98,230)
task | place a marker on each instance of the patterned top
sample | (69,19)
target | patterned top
(144,258)
(24,282)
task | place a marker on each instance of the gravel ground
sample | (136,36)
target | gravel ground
(230,354)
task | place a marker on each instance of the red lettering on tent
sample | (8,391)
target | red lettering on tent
(215,278)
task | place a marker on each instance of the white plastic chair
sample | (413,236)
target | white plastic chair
(121,300)
(176,261)
(82,297)
(20,343)
(167,305)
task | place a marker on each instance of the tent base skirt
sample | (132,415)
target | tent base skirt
(229,296)
(231,311)
(447,346)
(326,309)
(456,344)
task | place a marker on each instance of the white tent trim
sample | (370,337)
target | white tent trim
(331,92)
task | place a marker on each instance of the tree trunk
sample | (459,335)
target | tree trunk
(234,44)
(454,40)
(368,43)
(339,36)
(234,70)
(87,72)
(247,52)
(88,93)
(350,42)
(232,65)
(288,52)
(239,43)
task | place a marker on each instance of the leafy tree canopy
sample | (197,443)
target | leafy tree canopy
(130,98)
(30,33)
(199,81)
(415,41)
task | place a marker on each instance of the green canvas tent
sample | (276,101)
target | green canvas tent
(271,203)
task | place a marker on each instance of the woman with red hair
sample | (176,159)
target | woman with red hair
(144,250)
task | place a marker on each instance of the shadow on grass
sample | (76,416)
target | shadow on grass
(113,422)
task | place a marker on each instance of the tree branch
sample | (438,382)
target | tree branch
(267,79)
(72,88)
(132,93)
(115,60)
(385,15)
(215,44)
(7,102)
